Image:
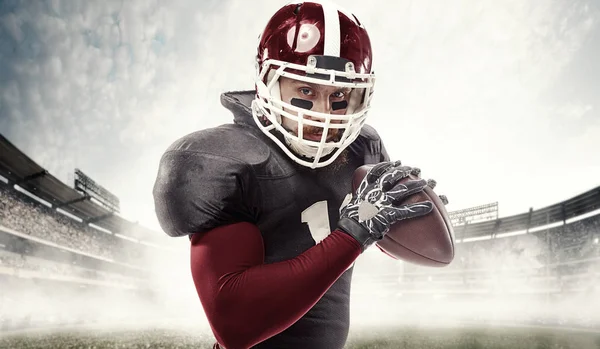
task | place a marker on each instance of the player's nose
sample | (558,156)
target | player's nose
(321,105)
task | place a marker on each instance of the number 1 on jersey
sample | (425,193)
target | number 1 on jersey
(317,218)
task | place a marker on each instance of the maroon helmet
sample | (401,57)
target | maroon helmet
(319,43)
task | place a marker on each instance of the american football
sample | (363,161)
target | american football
(426,240)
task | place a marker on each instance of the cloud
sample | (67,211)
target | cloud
(464,89)
(106,86)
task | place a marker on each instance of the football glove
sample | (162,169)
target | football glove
(375,205)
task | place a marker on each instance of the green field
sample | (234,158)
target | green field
(405,338)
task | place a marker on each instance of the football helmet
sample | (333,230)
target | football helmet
(319,43)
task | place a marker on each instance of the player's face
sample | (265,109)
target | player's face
(319,98)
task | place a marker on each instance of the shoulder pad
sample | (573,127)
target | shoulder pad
(230,141)
(200,186)
(369,132)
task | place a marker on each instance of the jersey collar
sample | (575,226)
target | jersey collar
(239,103)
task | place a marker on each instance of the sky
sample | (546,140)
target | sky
(498,101)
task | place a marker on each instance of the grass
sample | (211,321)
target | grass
(401,338)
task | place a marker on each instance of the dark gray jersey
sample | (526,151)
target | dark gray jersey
(234,173)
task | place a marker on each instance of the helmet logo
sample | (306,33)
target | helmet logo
(306,39)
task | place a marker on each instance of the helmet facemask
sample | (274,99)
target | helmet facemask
(268,108)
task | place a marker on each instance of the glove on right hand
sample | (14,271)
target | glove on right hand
(376,204)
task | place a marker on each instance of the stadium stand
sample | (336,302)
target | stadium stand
(52,236)
(18,211)
(17,168)
(538,268)
(58,244)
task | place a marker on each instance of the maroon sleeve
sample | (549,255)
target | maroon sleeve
(247,301)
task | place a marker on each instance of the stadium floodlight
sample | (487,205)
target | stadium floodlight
(88,186)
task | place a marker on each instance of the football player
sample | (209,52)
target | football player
(266,200)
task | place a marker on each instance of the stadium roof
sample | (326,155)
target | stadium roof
(19,169)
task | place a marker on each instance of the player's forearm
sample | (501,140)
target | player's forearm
(247,301)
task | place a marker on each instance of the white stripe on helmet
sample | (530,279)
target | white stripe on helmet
(332,29)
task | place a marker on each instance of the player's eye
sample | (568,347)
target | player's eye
(339,94)
(305,91)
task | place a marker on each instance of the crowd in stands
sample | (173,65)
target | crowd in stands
(574,241)
(25,215)
(20,262)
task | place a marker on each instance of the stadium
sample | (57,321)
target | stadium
(75,273)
